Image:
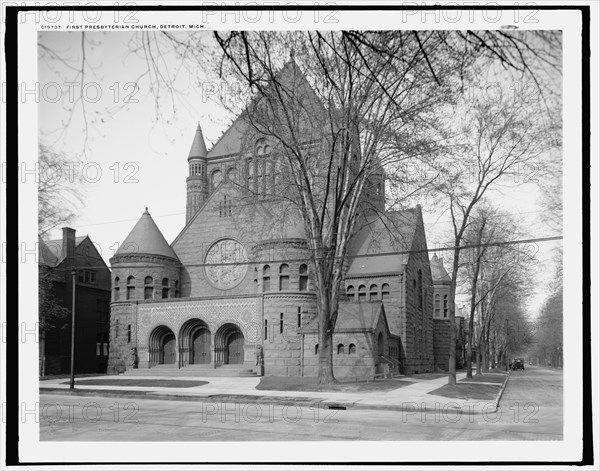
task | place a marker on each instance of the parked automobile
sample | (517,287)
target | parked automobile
(518,364)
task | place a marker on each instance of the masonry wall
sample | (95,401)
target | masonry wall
(417,335)
(282,342)
(441,342)
(123,335)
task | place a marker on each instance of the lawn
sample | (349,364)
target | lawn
(485,378)
(486,392)
(286,383)
(149,383)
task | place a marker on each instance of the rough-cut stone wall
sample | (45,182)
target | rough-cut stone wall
(441,342)
(419,323)
(122,316)
(282,341)
(357,365)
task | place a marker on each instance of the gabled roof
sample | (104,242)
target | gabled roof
(52,250)
(439,275)
(393,232)
(232,140)
(352,316)
(46,256)
(146,238)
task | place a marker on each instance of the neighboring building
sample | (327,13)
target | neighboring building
(235,284)
(92,306)
(441,322)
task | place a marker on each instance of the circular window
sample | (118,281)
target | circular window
(225,263)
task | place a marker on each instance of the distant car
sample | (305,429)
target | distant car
(518,364)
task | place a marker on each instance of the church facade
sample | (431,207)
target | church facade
(235,289)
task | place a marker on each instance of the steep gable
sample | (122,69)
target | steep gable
(389,233)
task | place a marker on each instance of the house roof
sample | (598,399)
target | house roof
(51,251)
(198,148)
(146,238)
(439,275)
(392,232)
(354,316)
(46,256)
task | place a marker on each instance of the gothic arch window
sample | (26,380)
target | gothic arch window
(316,349)
(350,293)
(266,278)
(215,179)
(445,305)
(373,294)
(284,277)
(351,349)
(131,287)
(148,287)
(362,293)
(117,294)
(340,349)
(165,288)
(303,278)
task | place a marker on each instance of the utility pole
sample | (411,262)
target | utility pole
(72,383)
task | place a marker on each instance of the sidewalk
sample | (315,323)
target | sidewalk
(413,397)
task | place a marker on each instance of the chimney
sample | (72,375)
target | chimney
(68,242)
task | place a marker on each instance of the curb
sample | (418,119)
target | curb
(501,391)
(256,399)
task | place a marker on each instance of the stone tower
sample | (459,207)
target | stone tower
(197,183)
(441,288)
(144,269)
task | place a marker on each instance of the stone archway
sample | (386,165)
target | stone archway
(162,346)
(229,345)
(195,343)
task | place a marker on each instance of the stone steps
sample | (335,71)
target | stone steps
(193,370)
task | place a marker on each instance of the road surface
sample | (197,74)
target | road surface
(531,409)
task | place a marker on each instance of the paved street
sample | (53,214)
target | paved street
(531,409)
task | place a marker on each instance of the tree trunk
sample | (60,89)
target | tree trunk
(326,358)
(451,315)
(327,317)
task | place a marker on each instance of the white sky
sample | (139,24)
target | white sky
(135,160)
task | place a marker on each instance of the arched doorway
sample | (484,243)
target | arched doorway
(195,344)
(162,346)
(229,345)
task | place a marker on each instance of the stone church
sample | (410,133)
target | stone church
(234,290)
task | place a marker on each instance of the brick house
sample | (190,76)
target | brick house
(92,305)
(235,284)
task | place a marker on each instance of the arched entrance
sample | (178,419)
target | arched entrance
(195,344)
(162,346)
(229,345)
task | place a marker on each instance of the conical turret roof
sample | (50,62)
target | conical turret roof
(198,146)
(146,238)
(439,274)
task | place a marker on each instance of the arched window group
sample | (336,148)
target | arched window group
(341,349)
(374,293)
(148,289)
(437,305)
(284,278)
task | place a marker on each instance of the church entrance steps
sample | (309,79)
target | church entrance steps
(171,370)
